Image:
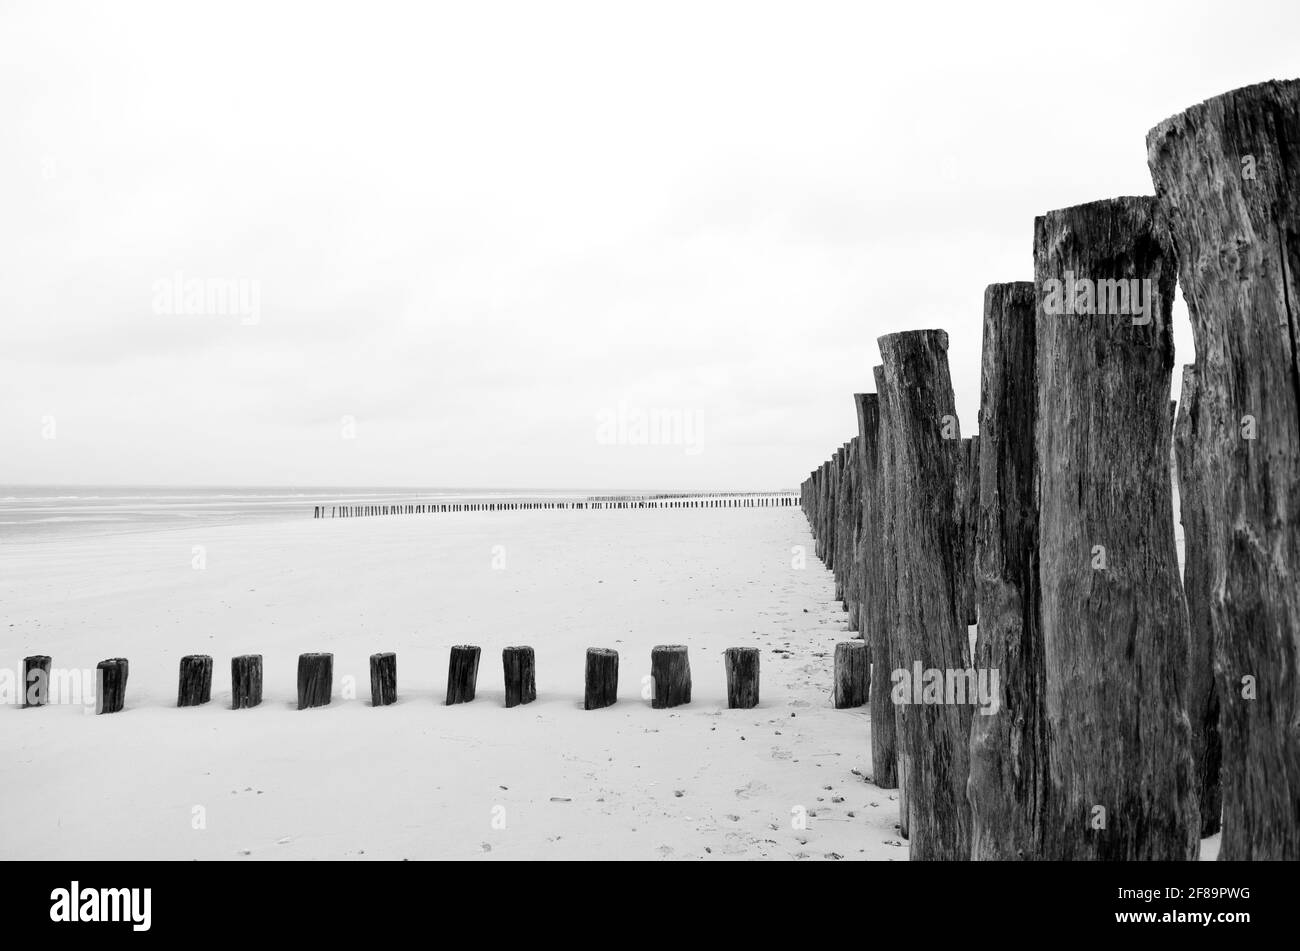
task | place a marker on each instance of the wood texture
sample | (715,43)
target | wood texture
(1113,618)
(315,680)
(1227,176)
(927,613)
(462,673)
(195,680)
(1008,760)
(383,679)
(1202,688)
(245,681)
(601,679)
(670,669)
(742,677)
(111,677)
(520,674)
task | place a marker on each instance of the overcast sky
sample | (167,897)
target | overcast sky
(484,240)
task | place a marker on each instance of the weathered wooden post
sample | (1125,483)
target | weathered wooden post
(871,595)
(1227,176)
(1198,579)
(1008,747)
(602,678)
(928,614)
(195,686)
(521,675)
(245,681)
(852,674)
(36,680)
(462,674)
(742,677)
(1113,617)
(111,676)
(315,680)
(670,669)
(383,679)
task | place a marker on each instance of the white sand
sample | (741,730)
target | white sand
(419,779)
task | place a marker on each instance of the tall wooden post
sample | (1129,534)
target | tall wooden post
(929,616)
(520,666)
(872,614)
(1202,690)
(1008,758)
(383,679)
(742,677)
(670,669)
(462,673)
(1113,617)
(1227,176)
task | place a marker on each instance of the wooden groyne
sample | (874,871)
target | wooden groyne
(1127,707)
(594,504)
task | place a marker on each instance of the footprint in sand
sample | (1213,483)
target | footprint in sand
(751,789)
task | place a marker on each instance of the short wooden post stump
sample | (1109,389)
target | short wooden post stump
(245,681)
(602,678)
(383,679)
(852,669)
(742,677)
(111,676)
(671,671)
(315,680)
(462,673)
(36,680)
(521,675)
(195,680)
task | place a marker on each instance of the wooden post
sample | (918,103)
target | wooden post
(36,680)
(852,674)
(315,680)
(245,681)
(111,676)
(1226,174)
(602,678)
(383,679)
(521,675)
(871,596)
(1008,747)
(1113,617)
(462,674)
(670,669)
(928,615)
(195,685)
(1198,581)
(742,677)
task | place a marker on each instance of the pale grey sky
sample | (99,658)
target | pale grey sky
(480,232)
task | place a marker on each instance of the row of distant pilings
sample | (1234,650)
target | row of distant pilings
(431,508)
(1137,709)
(670,672)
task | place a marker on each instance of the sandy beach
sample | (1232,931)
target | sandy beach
(421,780)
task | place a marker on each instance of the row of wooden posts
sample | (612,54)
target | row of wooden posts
(421,508)
(670,671)
(1136,709)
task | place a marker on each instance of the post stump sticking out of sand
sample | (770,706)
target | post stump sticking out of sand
(111,674)
(383,679)
(315,680)
(245,681)
(462,673)
(521,675)
(670,669)
(742,677)
(852,674)
(36,680)
(195,680)
(602,678)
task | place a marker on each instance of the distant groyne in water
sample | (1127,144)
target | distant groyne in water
(720,500)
